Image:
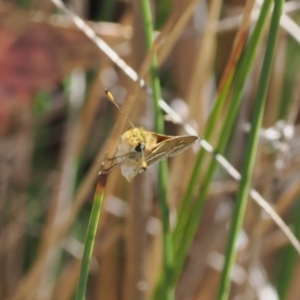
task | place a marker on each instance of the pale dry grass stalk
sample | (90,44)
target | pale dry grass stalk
(177,21)
(93,101)
(201,74)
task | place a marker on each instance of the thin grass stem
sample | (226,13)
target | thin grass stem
(90,240)
(164,285)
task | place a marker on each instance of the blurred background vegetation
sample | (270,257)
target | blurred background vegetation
(55,125)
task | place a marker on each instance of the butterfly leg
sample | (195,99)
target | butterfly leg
(109,169)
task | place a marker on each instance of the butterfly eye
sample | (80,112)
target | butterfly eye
(139,147)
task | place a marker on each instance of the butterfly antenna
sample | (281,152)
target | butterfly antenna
(110,96)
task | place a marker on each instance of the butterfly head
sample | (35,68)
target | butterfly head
(140,149)
(131,152)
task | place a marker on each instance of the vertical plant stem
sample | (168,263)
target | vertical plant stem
(165,285)
(90,239)
(251,149)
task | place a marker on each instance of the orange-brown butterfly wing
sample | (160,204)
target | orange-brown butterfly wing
(168,146)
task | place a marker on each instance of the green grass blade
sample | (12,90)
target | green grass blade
(251,149)
(89,244)
(164,288)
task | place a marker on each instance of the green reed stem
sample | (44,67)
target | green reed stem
(251,149)
(89,243)
(164,289)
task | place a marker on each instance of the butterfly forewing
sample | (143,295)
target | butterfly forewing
(168,147)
